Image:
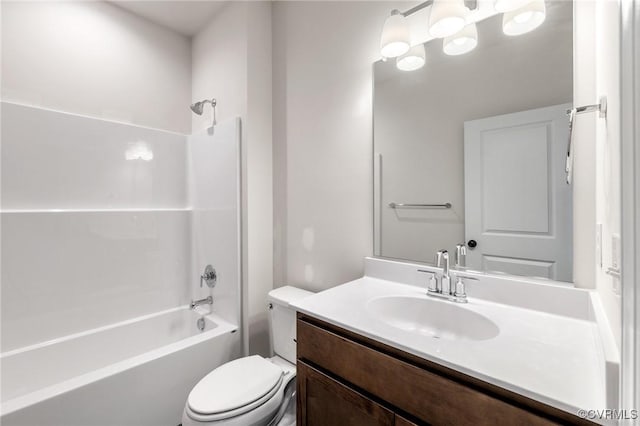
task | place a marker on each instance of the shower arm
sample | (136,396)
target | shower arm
(213,103)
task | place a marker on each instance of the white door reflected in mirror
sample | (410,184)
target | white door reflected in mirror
(518,206)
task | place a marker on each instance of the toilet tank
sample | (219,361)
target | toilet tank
(282,320)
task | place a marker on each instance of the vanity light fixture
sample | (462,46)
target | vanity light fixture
(455,23)
(396,38)
(462,42)
(413,59)
(525,19)
(447,17)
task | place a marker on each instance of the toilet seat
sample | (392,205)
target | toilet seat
(234,388)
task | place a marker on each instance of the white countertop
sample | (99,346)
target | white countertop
(552,358)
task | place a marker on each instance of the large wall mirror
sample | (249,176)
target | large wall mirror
(472,148)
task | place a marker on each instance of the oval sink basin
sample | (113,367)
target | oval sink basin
(433,318)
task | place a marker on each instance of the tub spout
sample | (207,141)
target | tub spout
(206,301)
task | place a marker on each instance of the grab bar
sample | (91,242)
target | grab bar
(419,206)
(602,109)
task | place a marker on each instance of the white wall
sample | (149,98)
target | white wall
(597,161)
(608,133)
(584,183)
(232,62)
(219,66)
(322,82)
(95,59)
(258,177)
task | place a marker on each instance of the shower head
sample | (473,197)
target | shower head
(198,108)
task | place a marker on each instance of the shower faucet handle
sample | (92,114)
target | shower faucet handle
(209,276)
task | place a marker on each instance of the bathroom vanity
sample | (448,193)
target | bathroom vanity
(377,351)
(346,378)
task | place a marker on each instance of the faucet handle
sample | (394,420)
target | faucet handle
(433,281)
(460,288)
(461,255)
(210,276)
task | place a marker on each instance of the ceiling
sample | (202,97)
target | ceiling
(183,16)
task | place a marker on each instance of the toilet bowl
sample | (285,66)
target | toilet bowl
(250,390)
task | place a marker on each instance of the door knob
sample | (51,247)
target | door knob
(472,244)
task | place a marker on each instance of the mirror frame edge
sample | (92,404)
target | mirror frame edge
(630,180)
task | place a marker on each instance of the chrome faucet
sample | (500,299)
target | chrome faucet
(440,281)
(442,261)
(209,277)
(461,256)
(206,301)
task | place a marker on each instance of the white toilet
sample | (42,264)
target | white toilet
(250,390)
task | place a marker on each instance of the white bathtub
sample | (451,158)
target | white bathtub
(134,373)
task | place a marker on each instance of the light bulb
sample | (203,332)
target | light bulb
(395,37)
(462,42)
(447,17)
(413,59)
(525,19)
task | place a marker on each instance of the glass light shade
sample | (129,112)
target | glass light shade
(395,39)
(447,17)
(461,42)
(503,6)
(527,18)
(413,59)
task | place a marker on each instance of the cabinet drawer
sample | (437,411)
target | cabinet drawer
(419,392)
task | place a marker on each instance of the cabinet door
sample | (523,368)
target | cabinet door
(323,401)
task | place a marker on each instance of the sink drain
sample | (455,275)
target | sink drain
(200,323)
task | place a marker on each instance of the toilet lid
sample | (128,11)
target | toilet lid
(235,384)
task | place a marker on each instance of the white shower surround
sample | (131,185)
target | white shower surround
(105,225)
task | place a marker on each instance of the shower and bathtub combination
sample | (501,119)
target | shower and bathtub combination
(106,231)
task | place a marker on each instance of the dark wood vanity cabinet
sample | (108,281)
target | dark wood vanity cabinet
(347,379)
